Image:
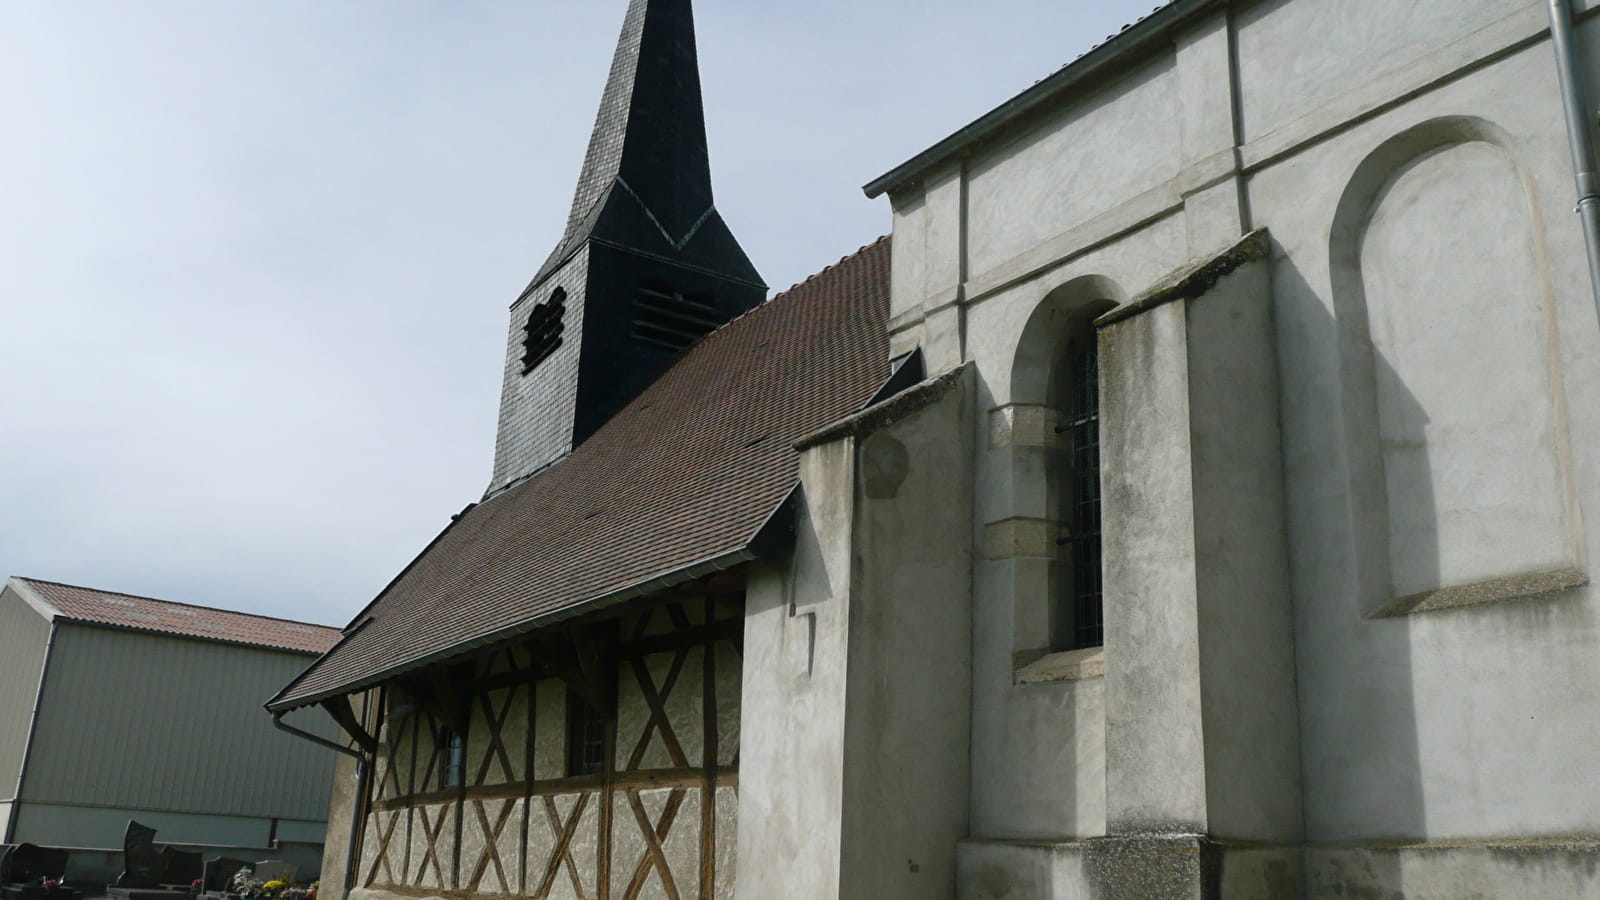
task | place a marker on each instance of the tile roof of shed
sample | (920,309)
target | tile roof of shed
(688,472)
(97,607)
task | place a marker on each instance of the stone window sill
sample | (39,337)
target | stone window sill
(1088,664)
(1500,590)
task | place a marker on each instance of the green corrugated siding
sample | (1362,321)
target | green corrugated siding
(24,634)
(103,829)
(143,721)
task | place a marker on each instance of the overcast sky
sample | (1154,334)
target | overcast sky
(256,255)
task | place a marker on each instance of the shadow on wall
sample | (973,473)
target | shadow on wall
(1424,450)
(1361,758)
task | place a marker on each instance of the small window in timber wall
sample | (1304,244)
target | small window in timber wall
(672,320)
(1080,619)
(542,335)
(452,758)
(586,737)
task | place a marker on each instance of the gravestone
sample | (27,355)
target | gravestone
(25,868)
(217,876)
(25,863)
(144,869)
(142,866)
(275,870)
(180,867)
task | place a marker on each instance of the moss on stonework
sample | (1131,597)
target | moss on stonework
(1194,280)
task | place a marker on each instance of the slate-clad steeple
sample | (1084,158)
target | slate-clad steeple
(645,266)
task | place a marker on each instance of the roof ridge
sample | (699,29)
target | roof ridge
(232,612)
(781,295)
(826,269)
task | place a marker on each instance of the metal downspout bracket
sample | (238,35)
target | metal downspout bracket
(1580,133)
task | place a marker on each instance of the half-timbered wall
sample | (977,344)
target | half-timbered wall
(657,822)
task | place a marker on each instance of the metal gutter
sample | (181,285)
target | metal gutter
(659,583)
(744,553)
(1580,134)
(1140,34)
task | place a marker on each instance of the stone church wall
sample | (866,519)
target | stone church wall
(1435,360)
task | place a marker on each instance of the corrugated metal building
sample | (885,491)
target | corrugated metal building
(115,707)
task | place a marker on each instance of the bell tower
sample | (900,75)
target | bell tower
(646,266)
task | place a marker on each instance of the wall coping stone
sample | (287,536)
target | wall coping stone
(888,411)
(1532,586)
(1087,664)
(1195,279)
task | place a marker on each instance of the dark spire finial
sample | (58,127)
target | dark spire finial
(649,140)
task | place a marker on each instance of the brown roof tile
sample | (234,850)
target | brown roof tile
(688,472)
(96,607)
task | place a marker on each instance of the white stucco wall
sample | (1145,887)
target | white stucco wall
(791,795)
(1435,359)
(1479,745)
(857,666)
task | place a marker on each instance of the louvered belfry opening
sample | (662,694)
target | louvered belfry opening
(671,319)
(542,334)
(649,265)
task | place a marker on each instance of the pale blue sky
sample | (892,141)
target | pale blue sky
(255,256)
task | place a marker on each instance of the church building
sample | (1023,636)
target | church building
(1187,500)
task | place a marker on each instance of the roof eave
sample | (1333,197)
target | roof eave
(1073,75)
(31,597)
(755,548)
(350,631)
(178,636)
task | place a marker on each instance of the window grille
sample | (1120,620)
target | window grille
(542,335)
(670,319)
(1083,620)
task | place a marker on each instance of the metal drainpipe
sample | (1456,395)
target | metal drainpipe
(1580,134)
(27,746)
(356,814)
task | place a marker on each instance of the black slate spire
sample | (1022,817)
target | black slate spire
(645,266)
(646,181)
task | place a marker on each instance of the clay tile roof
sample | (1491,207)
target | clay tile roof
(96,607)
(685,476)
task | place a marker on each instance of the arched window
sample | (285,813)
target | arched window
(1050,428)
(1079,621)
